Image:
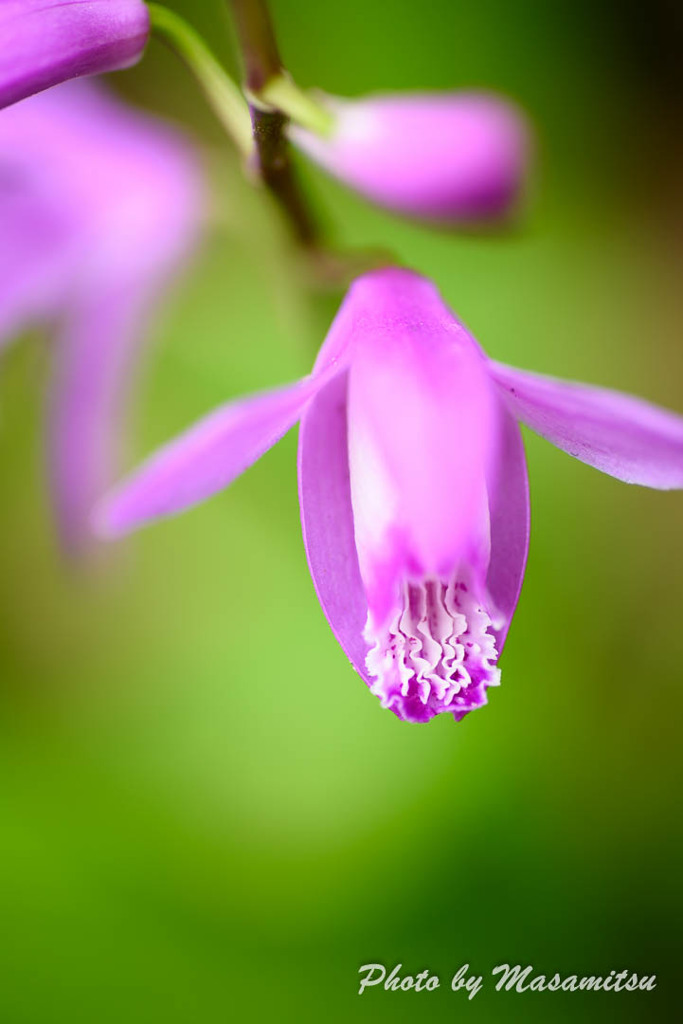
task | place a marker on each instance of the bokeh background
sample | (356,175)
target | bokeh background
(204,814)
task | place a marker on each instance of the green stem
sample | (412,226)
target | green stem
(274,99)
(256,35)
(223,95)
(261,62)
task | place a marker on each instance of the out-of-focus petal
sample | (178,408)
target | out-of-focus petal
(93,363)
(99,205)
(205,459)
(509,515)
(327,519)
(45,42)
(630,439)
(92,194)
(127,184)
(452,157)
(37,250)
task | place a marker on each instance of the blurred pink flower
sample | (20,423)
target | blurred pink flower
(98,204)
(453,157)
(45,42)
(412,484)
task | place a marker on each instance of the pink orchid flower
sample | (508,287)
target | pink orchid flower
(98,205)
(457,157)
(412,483)
(45,42)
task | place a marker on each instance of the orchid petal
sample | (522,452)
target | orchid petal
(45,42)
(206,458)
(509,512)
(125,186)
(36,258)
(422,430)
(626,437)
(327,519)
(93,356)
(99,204)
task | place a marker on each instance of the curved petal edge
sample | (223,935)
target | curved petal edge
(45,42)
(509,512)
(204,460)
(327,520)
(626,437)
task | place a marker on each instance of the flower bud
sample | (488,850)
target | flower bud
(450,157)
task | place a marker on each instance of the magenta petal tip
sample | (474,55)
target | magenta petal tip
(45,42)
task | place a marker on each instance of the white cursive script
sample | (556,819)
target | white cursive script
(521,979)
(376,973)
(507,978)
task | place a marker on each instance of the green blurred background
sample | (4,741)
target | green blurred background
(204,814)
